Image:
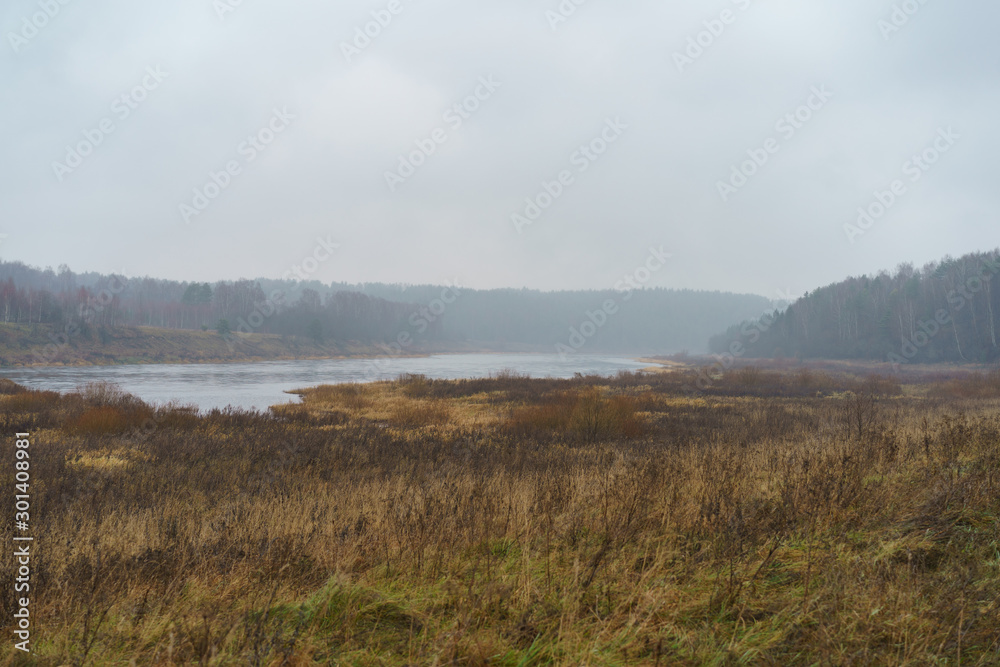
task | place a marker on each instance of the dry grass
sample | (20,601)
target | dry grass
(589,413)
(977,385)
(522,522)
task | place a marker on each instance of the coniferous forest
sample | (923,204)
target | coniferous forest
(943,312)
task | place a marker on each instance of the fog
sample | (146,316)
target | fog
(211,140)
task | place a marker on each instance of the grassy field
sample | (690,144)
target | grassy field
(775,517)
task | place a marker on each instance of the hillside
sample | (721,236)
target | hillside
(31,345)
(943,312)
(627,319)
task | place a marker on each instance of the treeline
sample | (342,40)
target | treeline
(650,320)
(35,296)
(943,312)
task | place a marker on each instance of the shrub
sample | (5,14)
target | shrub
(595,416)
(414,385)
(8,387)
(107,394)
(31,401)
(588,414)
(99,421)
(977,385)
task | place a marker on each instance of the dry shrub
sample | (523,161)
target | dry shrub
(178,417)
(8,387)
(509,375)
(99,421)
(109,420)
(31,400)
(588,414)
(108,410)
(814,381)
(414,385)
(595,417)
(977,385)
(749,377)
(105,394)
(551,416)
(417,414)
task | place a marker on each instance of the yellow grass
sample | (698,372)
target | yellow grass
(522,522)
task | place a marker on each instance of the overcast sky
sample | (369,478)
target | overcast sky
(201,77)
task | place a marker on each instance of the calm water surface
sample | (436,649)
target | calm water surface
(262,384)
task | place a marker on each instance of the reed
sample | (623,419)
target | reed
(803,519)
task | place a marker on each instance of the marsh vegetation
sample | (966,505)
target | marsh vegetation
(776,517)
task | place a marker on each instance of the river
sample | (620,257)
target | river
(262,384)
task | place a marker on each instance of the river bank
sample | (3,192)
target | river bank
(39,345)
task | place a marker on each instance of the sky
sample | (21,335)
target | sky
(550,145)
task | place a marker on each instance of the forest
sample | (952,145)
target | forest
(647,320)
(943,312)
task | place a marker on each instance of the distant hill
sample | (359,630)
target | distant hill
(403,317)
(944,312)
(48,345)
